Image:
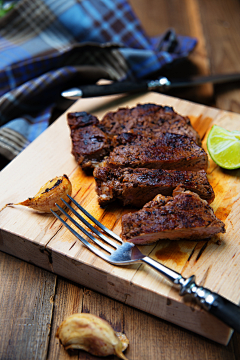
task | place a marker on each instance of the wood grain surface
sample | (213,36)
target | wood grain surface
(150,337)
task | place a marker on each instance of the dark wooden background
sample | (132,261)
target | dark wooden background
(33,302)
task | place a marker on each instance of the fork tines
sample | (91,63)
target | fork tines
(93,229)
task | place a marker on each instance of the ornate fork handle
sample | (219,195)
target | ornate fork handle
(212,302)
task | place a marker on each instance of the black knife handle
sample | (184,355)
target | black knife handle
(226,311)
(113,89)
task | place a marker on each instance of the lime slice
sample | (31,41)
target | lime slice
(224,147)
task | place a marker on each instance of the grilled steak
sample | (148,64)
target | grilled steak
(79,120)
(183,216)
(89,143)
(148,121)
(170,151)
(136,187)
(93,140)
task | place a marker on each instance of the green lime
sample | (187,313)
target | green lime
(224,147)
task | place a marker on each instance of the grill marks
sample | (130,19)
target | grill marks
(148,121)
(92,140)
(170,151)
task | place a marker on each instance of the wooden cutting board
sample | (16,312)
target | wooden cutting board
(42,240)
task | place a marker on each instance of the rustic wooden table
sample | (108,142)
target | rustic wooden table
(33,302)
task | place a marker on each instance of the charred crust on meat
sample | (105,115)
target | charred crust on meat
(169,151)
(182,216)
(136,187)
(80,119)
(123,127)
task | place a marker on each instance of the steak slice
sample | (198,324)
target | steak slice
(170,151)
(89,143)
(148,121)
(136,187)
(89,146)
(92,140)
(78,120)
(183,216)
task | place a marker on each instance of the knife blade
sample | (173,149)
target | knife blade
(163,84)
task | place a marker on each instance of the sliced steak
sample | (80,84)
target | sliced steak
(89,143)
(89,146)
(93,140)
(183,216)
(79,120)
(136,187)
(148,121)
(170,151)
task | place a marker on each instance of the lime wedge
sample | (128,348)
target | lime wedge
(224,147)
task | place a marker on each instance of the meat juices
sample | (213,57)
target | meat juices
(136,187)
(183,216)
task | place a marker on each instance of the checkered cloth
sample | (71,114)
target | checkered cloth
(47,46)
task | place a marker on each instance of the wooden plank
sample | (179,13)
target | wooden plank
(68,300)
(133,285)
(26,305)
(221,25)
(167,341)
(148,336)
(235,342)
(184,17)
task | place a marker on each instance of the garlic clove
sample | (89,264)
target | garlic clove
(90,333)
(49,194)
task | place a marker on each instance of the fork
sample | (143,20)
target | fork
(124,253)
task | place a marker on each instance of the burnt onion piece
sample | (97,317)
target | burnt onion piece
(49,194)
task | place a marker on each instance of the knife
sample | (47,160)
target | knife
(163,84)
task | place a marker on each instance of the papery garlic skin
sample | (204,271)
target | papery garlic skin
(90,333)
(49,194)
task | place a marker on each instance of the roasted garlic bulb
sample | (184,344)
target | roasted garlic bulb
(49,194)
(90,333)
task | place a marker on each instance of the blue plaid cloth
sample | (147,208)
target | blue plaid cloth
(47,46)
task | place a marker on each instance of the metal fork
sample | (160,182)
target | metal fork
(124,253)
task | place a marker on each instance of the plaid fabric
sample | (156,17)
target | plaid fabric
(47,46)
